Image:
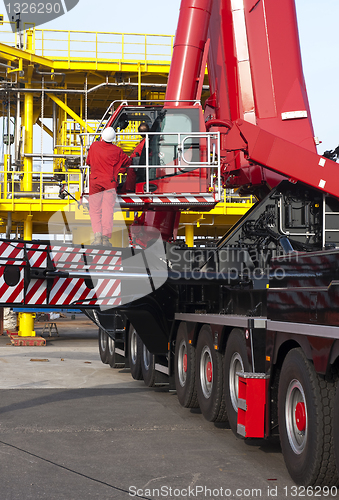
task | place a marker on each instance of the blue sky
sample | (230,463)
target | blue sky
(318,29)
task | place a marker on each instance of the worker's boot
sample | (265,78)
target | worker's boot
(106,242)
(97,239)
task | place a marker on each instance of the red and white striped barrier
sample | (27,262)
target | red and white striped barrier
(16,257)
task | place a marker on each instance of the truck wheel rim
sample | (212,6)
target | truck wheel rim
(103,341)
(206,372)
(182,363)
(147,358)
(296,402)
(300,416)
(133,347)
(236,365)
(111,346)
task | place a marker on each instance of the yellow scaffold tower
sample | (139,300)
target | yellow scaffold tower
(56,85)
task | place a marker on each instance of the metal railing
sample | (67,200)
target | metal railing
(70,130)
(62,44)
(209,155)
(44,185)
(233,198)
(91,45)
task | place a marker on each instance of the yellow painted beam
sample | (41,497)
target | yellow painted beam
(153,67)
(45,128)
(14,53)
(7,57)
(85,64)
(36,206)
(71,113)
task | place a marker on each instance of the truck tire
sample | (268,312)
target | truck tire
(134,353)
(148,366)
(235,360)
(103,346)
(184,369)
(305,415)
(209,378)
(335,425)
(114,360)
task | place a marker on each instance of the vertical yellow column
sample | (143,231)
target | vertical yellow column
(28,122)
(28,162)
(189,235)
(28,227)
(26,320)
(66,140)
(5,176)
(139,84)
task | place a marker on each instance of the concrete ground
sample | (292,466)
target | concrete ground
(73,428)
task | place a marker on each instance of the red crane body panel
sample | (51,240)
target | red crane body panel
(281,102)
(296,163)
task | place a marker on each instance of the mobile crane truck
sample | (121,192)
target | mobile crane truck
(247,330)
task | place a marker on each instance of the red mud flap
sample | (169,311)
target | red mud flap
(251,404)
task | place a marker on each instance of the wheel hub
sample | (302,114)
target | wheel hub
(300,416)
(209,372)
(184,363)
(206,372)
(296,416)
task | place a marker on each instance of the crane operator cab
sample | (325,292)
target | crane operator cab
(177,154)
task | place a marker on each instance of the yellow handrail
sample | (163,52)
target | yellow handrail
(69,45)
(44,187)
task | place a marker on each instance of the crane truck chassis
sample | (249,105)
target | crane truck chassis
(248,330)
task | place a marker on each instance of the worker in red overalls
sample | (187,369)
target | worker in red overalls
(106,161)
(129,184)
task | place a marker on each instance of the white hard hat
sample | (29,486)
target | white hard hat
(108,135)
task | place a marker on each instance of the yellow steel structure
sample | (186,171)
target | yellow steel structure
(77,75)
(71,113)
(68,79)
